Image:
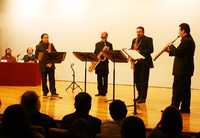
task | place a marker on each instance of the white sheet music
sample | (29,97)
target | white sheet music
(133,54)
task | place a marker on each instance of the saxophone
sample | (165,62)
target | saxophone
(163,50)
(102,56)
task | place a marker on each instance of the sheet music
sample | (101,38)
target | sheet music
(133,54)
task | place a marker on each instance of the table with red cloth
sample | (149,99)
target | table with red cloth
(19,74)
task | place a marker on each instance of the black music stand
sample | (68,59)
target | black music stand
(116,56)
(134,57)
(53,57)
(85,57)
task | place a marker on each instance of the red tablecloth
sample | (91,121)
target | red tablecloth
(19,74)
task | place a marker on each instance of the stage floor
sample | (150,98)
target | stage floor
(158,99)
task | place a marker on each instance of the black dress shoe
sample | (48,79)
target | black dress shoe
(141,101)
(55,94)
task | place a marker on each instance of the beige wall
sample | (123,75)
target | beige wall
(75,25)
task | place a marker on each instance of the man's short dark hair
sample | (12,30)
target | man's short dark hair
(29,48)
(118,110)
(29,100)
(83,102)
(43,35)
(140,27)
(185,27)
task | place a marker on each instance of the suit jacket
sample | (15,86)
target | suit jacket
(184,57)
(41,47)
(102,67)
(145,49)
(26,58)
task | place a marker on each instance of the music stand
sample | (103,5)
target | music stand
(116,56)
(85,57)
(53,57)
(135,56)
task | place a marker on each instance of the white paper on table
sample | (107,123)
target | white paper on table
(3,60)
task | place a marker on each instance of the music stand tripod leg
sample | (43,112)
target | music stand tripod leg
(73,84)
(134,97)
(69,86)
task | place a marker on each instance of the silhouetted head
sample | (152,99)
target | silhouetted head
(118,110)
(133,127)
(83,102)
(30,101)
(171,121)
(15,121)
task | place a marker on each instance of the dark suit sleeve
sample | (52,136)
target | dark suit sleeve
(133,41)
(149,48)
(96,51)
(180,50)
(53,48)
(110,47)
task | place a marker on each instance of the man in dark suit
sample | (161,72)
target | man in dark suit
(183,68)
(102,69)
(144,45)
(82,105)
(31,103)
(29,57)
(47,68)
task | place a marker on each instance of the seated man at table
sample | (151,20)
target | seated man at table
(29,57)
(8,56)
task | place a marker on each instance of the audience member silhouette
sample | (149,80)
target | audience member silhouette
(31,103)
(118,111)
(133,127)
(82,105)
(170,125)
(80,128)
(15,124)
